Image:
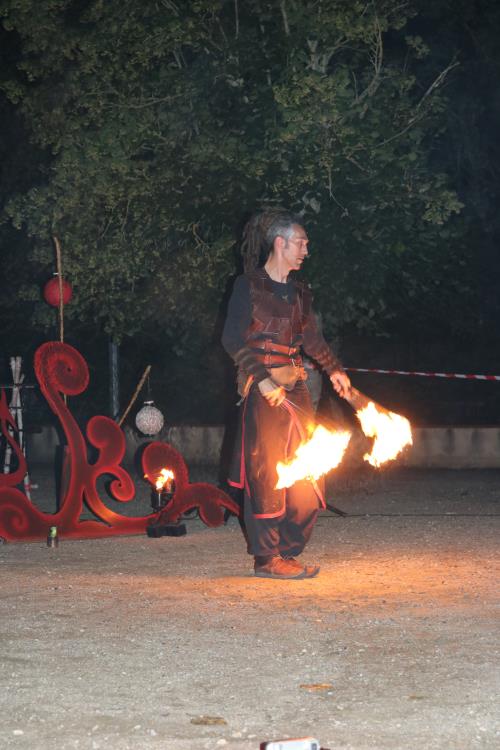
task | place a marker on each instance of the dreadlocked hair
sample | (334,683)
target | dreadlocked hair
(261,231)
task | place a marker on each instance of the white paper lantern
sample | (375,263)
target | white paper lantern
(149,420)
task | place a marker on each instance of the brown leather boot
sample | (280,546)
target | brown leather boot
(276,567)
(310,571)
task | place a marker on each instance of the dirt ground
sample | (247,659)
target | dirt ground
(171,643)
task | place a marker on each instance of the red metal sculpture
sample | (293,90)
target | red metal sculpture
(209,500)
(60,369)
(6,421)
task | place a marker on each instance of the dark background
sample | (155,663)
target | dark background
(413,286)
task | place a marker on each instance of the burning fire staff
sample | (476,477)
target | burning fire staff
(270,319)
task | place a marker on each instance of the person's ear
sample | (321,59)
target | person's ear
(279,243)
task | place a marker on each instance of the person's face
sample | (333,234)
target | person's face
(295,248)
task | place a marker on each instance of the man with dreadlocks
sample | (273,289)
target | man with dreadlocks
(270,318)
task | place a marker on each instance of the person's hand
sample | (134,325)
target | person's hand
(341,383)
(274,394)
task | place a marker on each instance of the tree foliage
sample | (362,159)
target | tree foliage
(166,123)
(469,152)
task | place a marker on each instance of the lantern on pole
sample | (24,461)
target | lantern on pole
(58,292)
(149,420)
(51,293)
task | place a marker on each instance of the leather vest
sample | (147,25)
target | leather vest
(274,319)
(276,331)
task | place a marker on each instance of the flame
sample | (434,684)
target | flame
(166,476)
(391,431)
(318,455)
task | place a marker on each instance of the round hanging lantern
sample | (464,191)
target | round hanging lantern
(51,292)
(149,420)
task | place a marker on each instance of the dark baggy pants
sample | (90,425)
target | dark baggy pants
(277,522)
(288,534)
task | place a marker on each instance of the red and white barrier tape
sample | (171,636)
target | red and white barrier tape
(457,375)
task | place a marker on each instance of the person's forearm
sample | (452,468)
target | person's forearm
(325,358)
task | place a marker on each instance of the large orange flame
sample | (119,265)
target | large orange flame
(321,453)
(391,431)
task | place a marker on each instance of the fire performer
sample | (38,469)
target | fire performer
(270,318)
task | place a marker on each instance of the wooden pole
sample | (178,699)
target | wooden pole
(134,397)
(60,278)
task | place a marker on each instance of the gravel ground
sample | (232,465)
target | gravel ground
(171,643)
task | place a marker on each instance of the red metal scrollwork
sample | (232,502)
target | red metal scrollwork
(60,369)
(6,421)
(209,500)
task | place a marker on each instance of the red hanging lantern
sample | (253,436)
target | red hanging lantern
(51,292)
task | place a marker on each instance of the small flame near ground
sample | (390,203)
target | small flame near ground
(321,453)
(165,477)
(391,431)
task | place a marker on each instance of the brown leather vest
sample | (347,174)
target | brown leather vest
(275,319)
(275,333)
